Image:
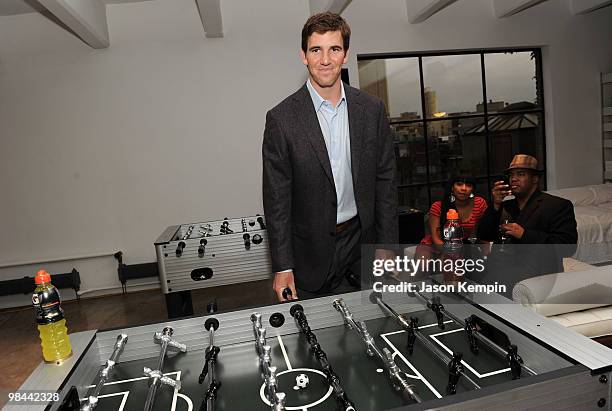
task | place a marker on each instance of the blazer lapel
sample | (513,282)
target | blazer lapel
(356,116)
(312,129)
(532,205)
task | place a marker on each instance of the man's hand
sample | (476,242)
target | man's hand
(382,254)
(500,191)
(514,230)
(284,280)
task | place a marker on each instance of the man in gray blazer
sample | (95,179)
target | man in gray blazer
(328,172)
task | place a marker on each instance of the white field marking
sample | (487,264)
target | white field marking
(476,373)
(123,400)
(262,393)
(282,346)
(178,373)
(178,378)
(187,400)
(418,374)
(420,327)
(395,351)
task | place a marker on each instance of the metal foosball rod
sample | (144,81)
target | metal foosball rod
(453,363)
(268,372)
(210,361)
(92,400)
(345,404)
(156,377)
(397,376)
(188,233)
(510,353)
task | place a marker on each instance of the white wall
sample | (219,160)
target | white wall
(102,149)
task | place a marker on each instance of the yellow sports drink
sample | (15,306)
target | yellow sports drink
(50,319)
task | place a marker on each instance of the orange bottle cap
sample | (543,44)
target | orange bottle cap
(452,214)
(42,276)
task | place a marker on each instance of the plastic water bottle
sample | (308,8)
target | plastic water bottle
(452,232)
(50,319)
(453,242)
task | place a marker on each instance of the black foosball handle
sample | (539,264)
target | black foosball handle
(179,248)
(261,222)
(202,247)
(295,308)
(209,358)
(212,308)
(287,293)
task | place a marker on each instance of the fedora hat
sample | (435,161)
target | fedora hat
(523,162)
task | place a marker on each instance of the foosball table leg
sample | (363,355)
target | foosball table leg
(179,304)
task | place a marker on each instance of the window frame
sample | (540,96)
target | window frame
(424,121)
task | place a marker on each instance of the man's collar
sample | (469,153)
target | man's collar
(318,100)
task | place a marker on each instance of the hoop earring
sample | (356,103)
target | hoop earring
(452,198)
(471,195)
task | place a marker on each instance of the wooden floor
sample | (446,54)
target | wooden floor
(21,335)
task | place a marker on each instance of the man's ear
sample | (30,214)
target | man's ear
(346,56)
(303,57)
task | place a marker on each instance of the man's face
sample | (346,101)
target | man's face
(522,182)
(324,58)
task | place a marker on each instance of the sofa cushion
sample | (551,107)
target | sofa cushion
(591,195)
(561,293)
(603,193)
(592,323)
(577,195)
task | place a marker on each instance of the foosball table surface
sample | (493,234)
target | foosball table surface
(364,378)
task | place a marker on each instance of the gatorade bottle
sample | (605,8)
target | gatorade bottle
(452,231)
(453,242)
(50,318)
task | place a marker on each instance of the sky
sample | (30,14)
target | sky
(457,81)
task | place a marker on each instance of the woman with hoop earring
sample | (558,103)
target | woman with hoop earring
(470,207)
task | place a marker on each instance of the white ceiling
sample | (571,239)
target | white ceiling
(11,7)
(87,18)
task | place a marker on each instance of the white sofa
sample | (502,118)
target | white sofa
(593,209)
(579,298)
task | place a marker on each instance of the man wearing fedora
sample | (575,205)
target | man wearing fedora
(531,218)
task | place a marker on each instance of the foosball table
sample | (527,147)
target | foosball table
(357,351)
(210,254)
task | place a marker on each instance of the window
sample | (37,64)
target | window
(465,112)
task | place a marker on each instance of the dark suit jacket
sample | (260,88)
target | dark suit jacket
(550,234)
(299,194)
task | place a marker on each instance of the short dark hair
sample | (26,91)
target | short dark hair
(322,23)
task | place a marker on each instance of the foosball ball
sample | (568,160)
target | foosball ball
(210,254)
(361,351)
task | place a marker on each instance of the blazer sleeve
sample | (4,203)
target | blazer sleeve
(277,182)
(386,192)
(561,228)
